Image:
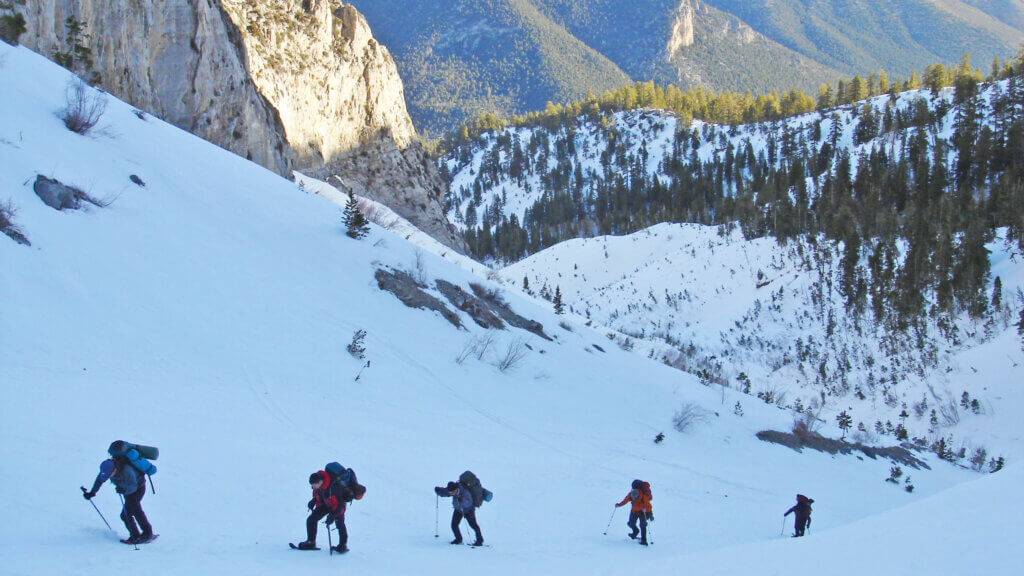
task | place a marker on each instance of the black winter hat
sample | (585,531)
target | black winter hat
(315,477)
(452,487)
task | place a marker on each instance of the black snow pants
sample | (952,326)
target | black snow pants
(642,517)
(317,515)
(470,516)
(801,524)
(132,512)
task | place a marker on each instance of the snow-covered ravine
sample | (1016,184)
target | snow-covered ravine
(207,313)
(746,312)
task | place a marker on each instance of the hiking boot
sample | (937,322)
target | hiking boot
(633,536)
(479,542)
(643,542)
(340,548)
(456,541)
(307,545)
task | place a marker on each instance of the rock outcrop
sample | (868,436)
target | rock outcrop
(180,60)
(285,83)
(342,103)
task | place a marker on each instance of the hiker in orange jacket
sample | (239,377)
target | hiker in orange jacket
(640,497)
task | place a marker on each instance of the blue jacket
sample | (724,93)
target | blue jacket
(462,500)
(125,477)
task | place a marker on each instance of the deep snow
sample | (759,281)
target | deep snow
(208,312)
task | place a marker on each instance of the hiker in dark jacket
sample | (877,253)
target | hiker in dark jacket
(131,484)
(326,502)
(462,504)
(803,514)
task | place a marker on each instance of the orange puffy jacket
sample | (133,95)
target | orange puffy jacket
(641,502)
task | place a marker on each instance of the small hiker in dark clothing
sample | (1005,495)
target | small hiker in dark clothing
(462,503)
(131,484)
(803,514)
(326,502)
(641,510)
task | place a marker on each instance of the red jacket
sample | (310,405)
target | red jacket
(324,495)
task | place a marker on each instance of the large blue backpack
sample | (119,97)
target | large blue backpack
(345,478)
(136,454)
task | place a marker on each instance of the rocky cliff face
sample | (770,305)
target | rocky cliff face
(181,60)
(342,104)
(285,83)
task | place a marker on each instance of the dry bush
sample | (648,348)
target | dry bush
(513,356)
(84,106)
(477,346)
(7,226)
(805,425)
(688,415)
(379,216)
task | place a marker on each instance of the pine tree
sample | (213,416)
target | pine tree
(845,421)
(559,307)
(354,221)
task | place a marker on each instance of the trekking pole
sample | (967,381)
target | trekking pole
(84,491)
(614,510)
(437,508)
(782,531)
(650,533)
(330,544)
(124,516)
(152,487)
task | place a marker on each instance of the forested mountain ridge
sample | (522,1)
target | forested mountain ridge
(855,256)
(462,58)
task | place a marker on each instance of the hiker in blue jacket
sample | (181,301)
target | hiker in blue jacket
(462,504)
(131,484)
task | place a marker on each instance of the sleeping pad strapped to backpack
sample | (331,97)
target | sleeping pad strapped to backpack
(345,478)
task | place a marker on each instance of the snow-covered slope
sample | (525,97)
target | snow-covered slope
(745,313)
(207,312)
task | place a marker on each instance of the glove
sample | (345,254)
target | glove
(88,495)
(330,518)
(618,505)
(312,504)
(650,516)
(440,491)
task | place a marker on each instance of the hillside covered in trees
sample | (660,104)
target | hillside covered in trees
(868,230)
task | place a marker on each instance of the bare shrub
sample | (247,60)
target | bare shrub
(378,215)
(565,326)
(805,425)
(688,415)
(7,213)
(492,295)
(84,106)
(477,346)
(950,414)
(513,356)
(419,271)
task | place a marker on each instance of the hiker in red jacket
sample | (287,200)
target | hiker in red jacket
(641,510)
(326,502)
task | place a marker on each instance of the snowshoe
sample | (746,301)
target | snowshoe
(456,541)
(478,543)
(304,546)
(339,549)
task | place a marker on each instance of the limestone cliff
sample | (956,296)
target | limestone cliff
(282,82)
(181,60)
(342,104)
